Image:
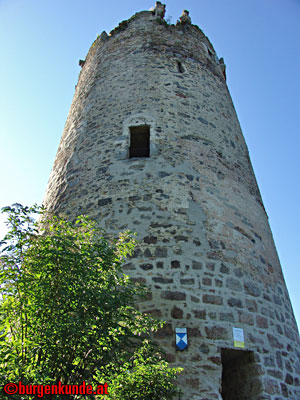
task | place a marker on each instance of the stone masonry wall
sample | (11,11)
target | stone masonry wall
(206,250)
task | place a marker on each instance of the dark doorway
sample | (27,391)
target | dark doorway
(139,141)
(240,378)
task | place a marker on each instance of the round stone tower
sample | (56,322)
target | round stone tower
(152,144)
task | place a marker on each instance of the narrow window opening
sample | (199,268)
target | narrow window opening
(240,375)
(139,141)
(180,67)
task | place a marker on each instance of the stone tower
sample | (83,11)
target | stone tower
(152,144)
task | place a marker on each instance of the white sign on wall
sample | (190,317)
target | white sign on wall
(238,337)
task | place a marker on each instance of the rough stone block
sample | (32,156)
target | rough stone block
(251,305)
(274,342)
(104,202)
(233,284)
(261,322)
(175,264)
(150,239)
(271,386)
(161,252)
(146,267)
(212,299)
(224,269)
(196,265)
(246,318)
(227,317)
(158,279)
(199,314)
(289,379)
(251,289)
(155,312)
(169,295)
(232,302)
(187,281)
(216,332)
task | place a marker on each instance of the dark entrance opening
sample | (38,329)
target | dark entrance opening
(139,141)
(240,375)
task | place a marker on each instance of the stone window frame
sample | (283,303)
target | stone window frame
(123,142)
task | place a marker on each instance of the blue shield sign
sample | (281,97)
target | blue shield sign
(181,338)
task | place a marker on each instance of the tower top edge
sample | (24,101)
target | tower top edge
(155,16)
(156,13)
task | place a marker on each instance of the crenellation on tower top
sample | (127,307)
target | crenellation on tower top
(185,19)
(159,10)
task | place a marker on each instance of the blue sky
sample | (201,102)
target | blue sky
(42,41)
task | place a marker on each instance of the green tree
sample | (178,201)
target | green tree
(67,311)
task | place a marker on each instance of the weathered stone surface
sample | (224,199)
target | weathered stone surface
(226,317)
(246,318)
(150,239)
(161,252)
(267,312)
(139,279)
(170,357)
(261,322)
(233,284)
(269,362)
(146,267)
(187,281)
(199,314)
(251,288)
(196,265)
(289,333)
(159,279)
(279,359)
(284,390)
(216,332)
(155,312)
(251,305)
(147,253)
(275,373)
(274,342)
(194,383)
(218,283)
(194,332)
(176,313)
(215,360)
(175,264)
(164,332)
(210,266)
(104,202)
(256,339)
(289,379)
(271,386)
(212,299)
(204,349)
(169,295)
(224,269)
(232,302)
(204,245)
